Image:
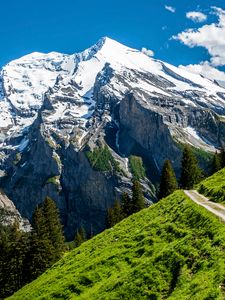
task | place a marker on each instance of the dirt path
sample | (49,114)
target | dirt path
(215,208)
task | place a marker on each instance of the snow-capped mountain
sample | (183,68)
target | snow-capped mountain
(23,83)
(71,79)
(56,107)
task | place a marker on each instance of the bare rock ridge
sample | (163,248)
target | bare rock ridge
(62,115)
(9,214)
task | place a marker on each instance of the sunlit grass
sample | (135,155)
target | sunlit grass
(214,187)
(172,250)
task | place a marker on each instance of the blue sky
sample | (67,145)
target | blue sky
(72,25)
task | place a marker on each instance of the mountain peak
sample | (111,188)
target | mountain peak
(28,78)
(104,45)
(106,40)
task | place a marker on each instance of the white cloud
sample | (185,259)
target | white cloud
(170,8)
(196,16)
(148,52)
(211,37)
(207,71)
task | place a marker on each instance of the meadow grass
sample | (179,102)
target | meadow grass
(171,250)
(213,187)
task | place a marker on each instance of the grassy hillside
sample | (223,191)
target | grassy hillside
(172,250)
(214,186)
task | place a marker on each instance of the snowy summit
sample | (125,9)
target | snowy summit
(70,83)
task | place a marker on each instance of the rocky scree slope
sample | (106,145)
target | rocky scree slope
(63,115)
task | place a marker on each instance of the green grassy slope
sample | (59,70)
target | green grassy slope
(172,250)
(214,187)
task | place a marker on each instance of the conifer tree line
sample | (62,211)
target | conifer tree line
(26,255)
(218,161)
(191,174)
(126,206)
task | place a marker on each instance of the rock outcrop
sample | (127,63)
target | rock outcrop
(9,214)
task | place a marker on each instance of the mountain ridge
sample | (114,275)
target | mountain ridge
(67,65)
(58,110)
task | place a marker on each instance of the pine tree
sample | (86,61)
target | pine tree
(114,214)
(125,205)
(117,217)
(137,201)
(168,182)
(222,158)
(41,253)
(7,283)
(80,237)
(18,253)
(83,234)
(216,163)
(54,227)
(190,171)
(4,245)
(13,248)
(38,223)
(109,217)
(46,241)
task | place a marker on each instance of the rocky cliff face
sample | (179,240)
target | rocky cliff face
(160,131)
(69,124)
(9,214)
